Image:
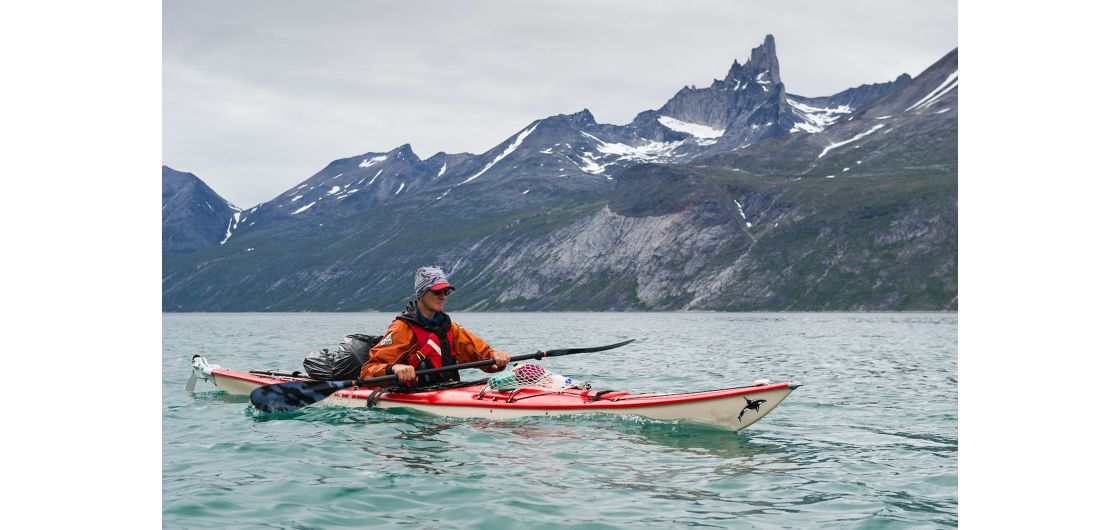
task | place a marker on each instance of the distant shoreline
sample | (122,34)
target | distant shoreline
(706,311)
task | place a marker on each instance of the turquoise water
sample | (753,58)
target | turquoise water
(869,441)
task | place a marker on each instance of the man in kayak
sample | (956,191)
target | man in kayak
(423,336)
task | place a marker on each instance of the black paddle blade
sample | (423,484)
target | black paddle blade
(293,395)
(602,348)
(569,351)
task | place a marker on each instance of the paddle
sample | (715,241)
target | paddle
(283,397)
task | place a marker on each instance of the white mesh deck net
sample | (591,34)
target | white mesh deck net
(530,375)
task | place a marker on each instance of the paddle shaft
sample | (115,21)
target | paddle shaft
(475,364)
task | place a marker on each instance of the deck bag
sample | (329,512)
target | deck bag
(345,362)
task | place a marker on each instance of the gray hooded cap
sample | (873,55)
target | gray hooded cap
(428,278)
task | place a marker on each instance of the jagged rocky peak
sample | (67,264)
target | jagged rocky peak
(584,117)
(761,68)
(747,105)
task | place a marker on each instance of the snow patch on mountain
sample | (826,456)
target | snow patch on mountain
(229,232)
(232,225)
(647,152)
(761,82)
(304,208)
(816,118)
(372,160)
(695,129)
(375,177)
(850,140)
(590,165)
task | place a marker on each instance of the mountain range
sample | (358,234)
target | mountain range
(737,196)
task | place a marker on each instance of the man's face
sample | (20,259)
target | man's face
(433,301)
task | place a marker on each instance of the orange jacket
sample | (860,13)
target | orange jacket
(400,342)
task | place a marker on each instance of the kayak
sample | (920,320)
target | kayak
(730,408)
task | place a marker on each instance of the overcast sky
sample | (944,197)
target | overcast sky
(259,95)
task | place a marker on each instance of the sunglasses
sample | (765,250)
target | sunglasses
(442,292)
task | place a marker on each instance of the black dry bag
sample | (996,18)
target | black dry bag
(345,362)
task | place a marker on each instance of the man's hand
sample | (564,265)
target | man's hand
(407,374)
(501,359)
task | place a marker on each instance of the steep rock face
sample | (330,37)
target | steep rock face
(618,262)
(194,216)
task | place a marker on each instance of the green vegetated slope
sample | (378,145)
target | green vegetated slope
(857,242)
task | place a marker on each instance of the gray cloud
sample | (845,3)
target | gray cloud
(258,95)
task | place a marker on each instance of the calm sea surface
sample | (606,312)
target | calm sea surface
(869,441)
